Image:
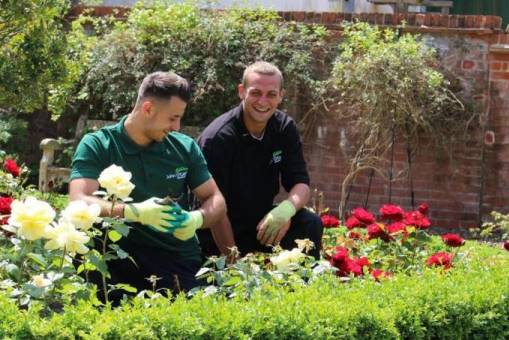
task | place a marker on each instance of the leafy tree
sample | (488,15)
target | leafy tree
(31,58)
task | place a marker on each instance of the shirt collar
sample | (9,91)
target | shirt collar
(238,113)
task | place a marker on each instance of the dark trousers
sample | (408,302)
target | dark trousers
(173,273)
(304,224)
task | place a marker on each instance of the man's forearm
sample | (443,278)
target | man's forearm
(223,235)
(213,209)
(299,195)
(83,189)
(118,209)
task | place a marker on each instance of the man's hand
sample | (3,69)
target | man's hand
(165,218)
(192,221)
(275,224)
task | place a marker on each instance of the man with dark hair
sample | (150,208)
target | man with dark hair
(249,150)
(163,163)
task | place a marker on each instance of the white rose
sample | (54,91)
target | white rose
(82,215)
(65,236)
(116,181)
(40,281)
(31,217)
(287,257)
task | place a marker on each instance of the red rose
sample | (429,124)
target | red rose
(440,259)
(392,212)
(362,261)
(11,167)
(348,267)
(355,236)
(5,205)
(329,221)
(506,245)
(417,219)
(423,208)
(363,215)
(378,273)
(353,222)
(4,220)
(396,227)
(339,257)
(376,231)
(453,240)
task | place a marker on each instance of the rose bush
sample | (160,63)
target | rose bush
(45,249)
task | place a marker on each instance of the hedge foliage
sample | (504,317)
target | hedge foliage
(470,301)
(209,48)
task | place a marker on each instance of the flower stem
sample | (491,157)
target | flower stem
(104,243)
(62,261)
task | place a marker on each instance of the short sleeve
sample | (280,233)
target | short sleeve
(89,158)
(293,169)
(198,172)
(218,153)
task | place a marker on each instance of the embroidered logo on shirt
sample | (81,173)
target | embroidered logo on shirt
(276,157)
(180,173)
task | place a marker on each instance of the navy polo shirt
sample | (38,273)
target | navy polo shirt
(166,168)
(249,171)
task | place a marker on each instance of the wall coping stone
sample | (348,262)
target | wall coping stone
(425,22)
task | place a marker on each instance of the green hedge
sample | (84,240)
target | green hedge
(469,301)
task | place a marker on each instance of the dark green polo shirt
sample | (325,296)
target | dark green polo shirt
(164,168)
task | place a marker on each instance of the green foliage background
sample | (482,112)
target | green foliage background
(209,48)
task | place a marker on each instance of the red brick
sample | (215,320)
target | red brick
(380,18)
(371,18)
(494,22)
(420,19)
(328,18)
(453,21)
(444,20)
(435,19)
(468,64)
(470,21)
(388,19)
(299,16)
(499,76)
(496,66)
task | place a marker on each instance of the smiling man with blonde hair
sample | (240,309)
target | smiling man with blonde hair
(250,150)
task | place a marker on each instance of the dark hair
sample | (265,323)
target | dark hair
(164,85)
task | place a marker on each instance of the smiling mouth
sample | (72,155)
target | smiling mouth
(262,110)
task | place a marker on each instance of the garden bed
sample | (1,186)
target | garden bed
(470,301)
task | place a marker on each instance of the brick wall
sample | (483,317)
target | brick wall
(472,50)
(460,192)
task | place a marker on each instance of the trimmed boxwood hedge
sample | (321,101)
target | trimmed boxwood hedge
(469,301)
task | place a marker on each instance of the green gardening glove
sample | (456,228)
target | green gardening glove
(192,222)
(274,220)
(161,217)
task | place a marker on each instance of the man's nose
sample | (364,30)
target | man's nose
(176,125)
(263,99)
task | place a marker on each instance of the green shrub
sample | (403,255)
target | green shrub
(209,48)
(32,54)
(470,301)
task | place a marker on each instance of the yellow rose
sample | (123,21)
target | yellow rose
(82,215)
(31,217)
(116,181)
(65,236)
(40,281)
(283,260)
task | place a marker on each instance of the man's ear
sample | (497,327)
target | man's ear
(241,91)
(281,95)
(147,107)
